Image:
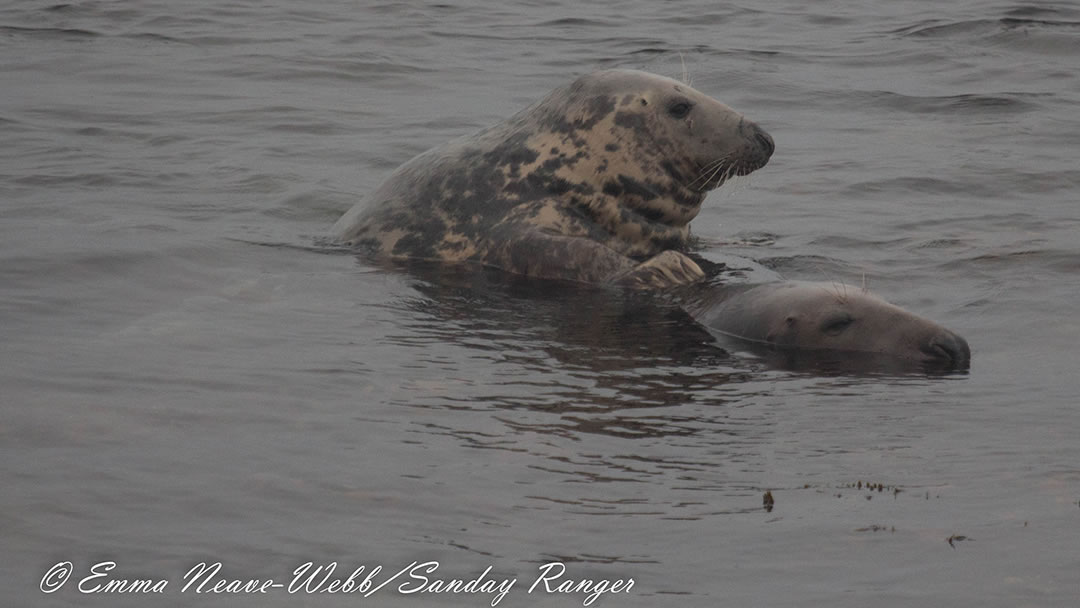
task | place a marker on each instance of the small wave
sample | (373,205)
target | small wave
(154,37)
(1042,36)
(1012,23)
(50,32)
(935,28)
(1065,262)
(1007,102)
(943,243)
(921,185)
(811,266)
(576,22)
(1033,12)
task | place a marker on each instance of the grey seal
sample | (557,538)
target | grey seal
(817,318)
(595,183)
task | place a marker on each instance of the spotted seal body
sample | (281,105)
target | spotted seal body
(597,183)
(792,317)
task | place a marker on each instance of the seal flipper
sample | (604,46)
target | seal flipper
(664,270)
(532,252)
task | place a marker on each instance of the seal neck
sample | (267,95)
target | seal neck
(663,203)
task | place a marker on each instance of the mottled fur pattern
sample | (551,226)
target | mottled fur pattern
(590,184)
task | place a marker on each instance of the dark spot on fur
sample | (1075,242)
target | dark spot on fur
(612,189)
(611,147)
(570,141)
(635,188)
(672,170)
(589,219)
(634,121)
(563,160)
(663,143)
(368,245)
(629,97)
(594,110)
(514,187)
(684,198)
(397,219)
(521,156)
(554,150)
(676,243)
(478,191)
(512,152)
(420,241)
(542,182)
(598,107)
(653,215)
(454,246)
(558,186)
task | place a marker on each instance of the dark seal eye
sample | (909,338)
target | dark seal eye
(679,109)
(834,326)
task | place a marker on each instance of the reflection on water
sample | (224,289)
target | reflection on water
(561,347)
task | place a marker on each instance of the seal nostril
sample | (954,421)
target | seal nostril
(949,347)
(766,142)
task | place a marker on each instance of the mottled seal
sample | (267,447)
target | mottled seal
(826,318)
(595,183)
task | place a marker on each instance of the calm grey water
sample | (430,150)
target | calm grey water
(172,394)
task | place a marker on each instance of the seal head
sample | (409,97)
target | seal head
(829,318)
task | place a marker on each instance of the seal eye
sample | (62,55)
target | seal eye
(679,109)
(834,326)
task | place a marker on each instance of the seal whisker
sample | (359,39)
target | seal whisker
(710,166)
(711,170)
(707,171)
(840,290)
(718,161)
(707,177)
(724,171)
(729,172)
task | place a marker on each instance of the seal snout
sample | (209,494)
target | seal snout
(947,347)
(759,150)
(765,141)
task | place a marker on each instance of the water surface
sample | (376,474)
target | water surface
(173,394)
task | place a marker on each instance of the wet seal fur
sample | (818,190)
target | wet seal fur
(822,320)
(595,183)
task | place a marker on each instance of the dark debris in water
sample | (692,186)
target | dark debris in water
(767,501)
(955,538)
(873,487)
(876,528)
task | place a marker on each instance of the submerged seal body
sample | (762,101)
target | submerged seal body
(825,319)
(596,183)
